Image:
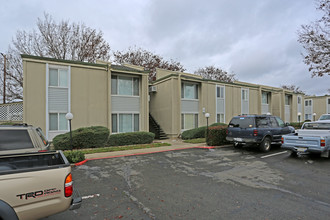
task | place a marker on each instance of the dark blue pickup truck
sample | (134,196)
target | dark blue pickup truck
(261,130)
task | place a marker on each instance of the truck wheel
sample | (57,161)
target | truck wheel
(265,144)
(7,212)
(294,154)
(237,145)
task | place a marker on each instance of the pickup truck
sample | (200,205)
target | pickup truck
(34,181)
(313,137)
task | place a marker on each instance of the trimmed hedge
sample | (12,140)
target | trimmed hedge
(74,156)
(217,135)
(130,138)
(198,132)
(88,137)
(296,125)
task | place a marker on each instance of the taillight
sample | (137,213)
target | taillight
(255,132)
(68,186)
(322,144)
(42,151)
(282,140)
(226,131)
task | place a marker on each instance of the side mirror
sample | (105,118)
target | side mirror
(287,124)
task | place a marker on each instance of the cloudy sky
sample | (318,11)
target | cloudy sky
(255,39)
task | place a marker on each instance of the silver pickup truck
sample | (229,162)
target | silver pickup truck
(34,182)
(313,137)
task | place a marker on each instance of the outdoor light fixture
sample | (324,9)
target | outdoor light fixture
(299,115)
(207,115)
(69,116)
(314,116)
(268,113)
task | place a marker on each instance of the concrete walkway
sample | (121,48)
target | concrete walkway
(176,144)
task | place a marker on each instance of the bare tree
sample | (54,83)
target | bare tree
(214,73)
(315,38)
(62,40)
(295,89)
(146,59)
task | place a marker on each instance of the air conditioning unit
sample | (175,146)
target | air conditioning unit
(152,89)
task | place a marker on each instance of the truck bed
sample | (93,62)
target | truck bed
(15,163)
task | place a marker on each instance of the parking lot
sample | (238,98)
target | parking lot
(221,183)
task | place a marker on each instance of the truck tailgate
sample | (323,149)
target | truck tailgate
(36,194)
(301,141)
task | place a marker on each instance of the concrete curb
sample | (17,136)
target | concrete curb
(136,154)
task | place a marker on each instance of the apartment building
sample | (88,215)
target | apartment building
(96,94)
(179,101)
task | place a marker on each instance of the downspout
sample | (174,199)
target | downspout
(109,97)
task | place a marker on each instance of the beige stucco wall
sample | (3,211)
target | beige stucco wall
(90,97)
(34,93)
(165,105)
(319,105)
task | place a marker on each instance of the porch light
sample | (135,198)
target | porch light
(314,116)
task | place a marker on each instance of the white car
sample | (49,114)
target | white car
(325,117)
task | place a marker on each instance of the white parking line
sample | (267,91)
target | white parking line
(90,196)
(270,155)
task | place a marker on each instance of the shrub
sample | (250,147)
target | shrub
(198,132)
(217,135)
(130,138)
(296,125)
(88,137)
(74,156)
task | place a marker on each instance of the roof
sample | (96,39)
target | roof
(112,67)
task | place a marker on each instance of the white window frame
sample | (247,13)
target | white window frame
(68,68)
(268,98)
(130,113)
(190,113)
(247,96)
(216,101)
(196,89)
(129,76)
(224,119)
(309,103)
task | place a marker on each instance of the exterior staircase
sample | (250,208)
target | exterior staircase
(155,128)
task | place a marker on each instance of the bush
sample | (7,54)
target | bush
(296,125)
(198,132)
(89,137)
(74,156)
(130,138)
(217,135)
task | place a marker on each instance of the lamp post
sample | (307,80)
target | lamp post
(69,116)
(314,116)
(299,115)
(207,115)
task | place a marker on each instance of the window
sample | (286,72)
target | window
(299,100)
(220,118)
(58,122)
(280,122)
(328,101)
(15,140)
(125,122)
(308,116)
(245,94)
(58,77)
(189,121)
(308,102)
(264,98)
(220,92)
(262,122)
(58,98)
(124,85)
(189,91)
(273,122)
(288,99)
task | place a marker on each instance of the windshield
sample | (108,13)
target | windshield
(318,126)
(242,122)
(325,117)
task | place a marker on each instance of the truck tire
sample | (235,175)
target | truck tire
(293,154)
(237,145)
(265,144)
(7,212)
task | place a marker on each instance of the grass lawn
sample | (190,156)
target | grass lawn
(195,141)
(122,148)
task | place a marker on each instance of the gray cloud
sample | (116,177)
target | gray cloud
(255,39)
